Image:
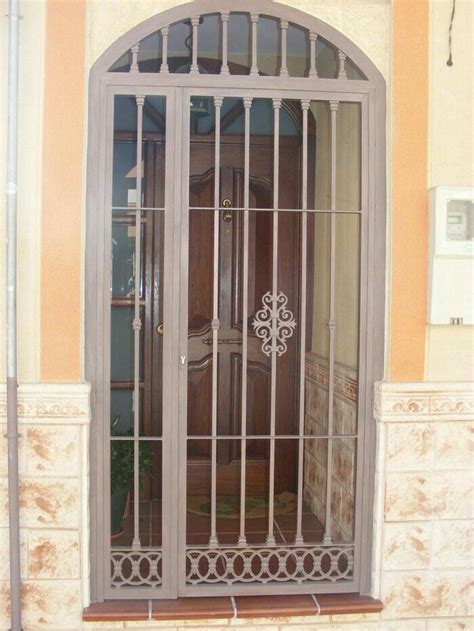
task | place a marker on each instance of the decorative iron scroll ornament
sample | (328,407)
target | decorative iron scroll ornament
(274,323)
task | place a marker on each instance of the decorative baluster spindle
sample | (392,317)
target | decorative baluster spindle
(284,34)
(134,65)
(254,21)
(342,65)
(164,62)
(312,55)
(195,25)
(225,43)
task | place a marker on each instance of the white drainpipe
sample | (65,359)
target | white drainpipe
(12,413)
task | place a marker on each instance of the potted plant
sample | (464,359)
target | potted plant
(121,473)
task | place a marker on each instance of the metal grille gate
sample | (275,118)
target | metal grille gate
(236,264)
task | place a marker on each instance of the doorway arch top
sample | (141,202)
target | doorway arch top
(350,61)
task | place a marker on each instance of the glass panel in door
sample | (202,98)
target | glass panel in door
(137,336)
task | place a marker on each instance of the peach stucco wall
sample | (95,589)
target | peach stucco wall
(62,191)
(409,191)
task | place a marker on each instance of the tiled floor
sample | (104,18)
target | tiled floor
(198,528)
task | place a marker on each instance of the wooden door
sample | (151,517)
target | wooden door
(200,301)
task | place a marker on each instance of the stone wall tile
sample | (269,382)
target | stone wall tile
(52,450)
(453,544)
(406,625)
(53,554)
(406,546)
(455,445)
(343,464)
(335,626)
(3,502)
(4,450)
(311,392)
(410,447)
(450,624)
(426,594)
(5,553)
(427,495)
(208,622)
(49,503)
(50,604)
(355,617)
(95,626)
(4,605)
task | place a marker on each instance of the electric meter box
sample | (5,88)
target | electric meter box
(451,256)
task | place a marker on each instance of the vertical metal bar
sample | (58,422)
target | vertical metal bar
(304,263)
(312,55)
(137,325)
(164,61)
(254,21)
(170,346)
(284,32)
(180,310)
(225,43)
(245,293)
(194,66)
(134,65)
(11,315)
(276,162)
(331,322)
(218,100)
(342,65)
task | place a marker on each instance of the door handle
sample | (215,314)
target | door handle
(224,340)
(159,328)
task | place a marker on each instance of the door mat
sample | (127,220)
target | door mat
(228,506)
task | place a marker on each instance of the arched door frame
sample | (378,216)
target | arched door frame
(372,93)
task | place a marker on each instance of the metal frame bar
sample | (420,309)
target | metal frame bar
(245,289)
(276,164)
(372,96)
(215,316)
(304,263)
(137,325)
(331,322)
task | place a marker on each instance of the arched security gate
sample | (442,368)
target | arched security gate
(235,248)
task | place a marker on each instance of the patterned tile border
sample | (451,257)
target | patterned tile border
(398,402)
(345,385)
(50,401)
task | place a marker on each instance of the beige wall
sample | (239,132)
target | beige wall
(449,351)
(32,29)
